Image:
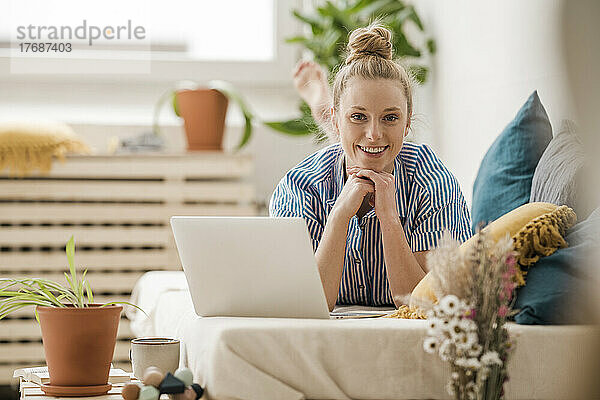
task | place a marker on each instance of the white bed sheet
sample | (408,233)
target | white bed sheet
(256,358)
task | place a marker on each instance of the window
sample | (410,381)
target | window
(183,39)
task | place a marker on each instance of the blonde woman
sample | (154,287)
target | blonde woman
(374,204)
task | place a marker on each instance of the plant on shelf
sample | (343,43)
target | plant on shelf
(78,335)
(327,37)
(467,327)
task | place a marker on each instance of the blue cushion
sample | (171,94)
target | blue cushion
(503,182)
(558,286)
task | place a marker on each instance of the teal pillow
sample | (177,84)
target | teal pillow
(558,286)
(503,182)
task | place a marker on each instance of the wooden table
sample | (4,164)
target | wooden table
(32,391)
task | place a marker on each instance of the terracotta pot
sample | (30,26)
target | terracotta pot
(79,343)
(203,111)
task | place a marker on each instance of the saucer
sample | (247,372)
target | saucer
(75,391)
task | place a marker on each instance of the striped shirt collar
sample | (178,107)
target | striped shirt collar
(339,173)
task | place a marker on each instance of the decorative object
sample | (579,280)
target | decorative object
(536,229)
(467,326)
(28,146)
(503,181)
(203,108)
(162,353)
(327,28)
(558,176)
(559,286)
(178,386)
(78,335)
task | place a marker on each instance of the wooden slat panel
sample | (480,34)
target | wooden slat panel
(57,236)
(33,353)
(217,192)
(115,213)
(29,329)
(110,260)
(199,165)
(117,282)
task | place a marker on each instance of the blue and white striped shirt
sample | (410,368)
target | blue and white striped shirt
(429,201)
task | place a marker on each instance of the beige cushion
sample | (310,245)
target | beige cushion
(537,230)
(27,146)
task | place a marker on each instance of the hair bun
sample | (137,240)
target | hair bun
(373,40)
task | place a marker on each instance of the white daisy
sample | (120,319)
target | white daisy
(433,328)
(446,350)
(467,325)
(430,344)
(472,363)
(491,357)
(454,328)
(449,304)
(475,350)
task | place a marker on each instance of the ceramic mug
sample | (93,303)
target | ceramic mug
(154,352)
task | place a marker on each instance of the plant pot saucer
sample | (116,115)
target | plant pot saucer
(75,391)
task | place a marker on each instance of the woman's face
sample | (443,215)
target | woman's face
(371,122)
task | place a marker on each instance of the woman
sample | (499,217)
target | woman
(374,205)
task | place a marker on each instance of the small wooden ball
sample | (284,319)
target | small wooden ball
(153,377)
(185,375)
(130,391)
(149,393)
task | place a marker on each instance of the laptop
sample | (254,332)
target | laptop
(250,267)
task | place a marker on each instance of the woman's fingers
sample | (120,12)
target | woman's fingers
(376,177)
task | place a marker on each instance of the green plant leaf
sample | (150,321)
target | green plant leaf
(431,46)
(316,24)
(90,295)
(70,249)
(125,303)
(232,94)
(293,127)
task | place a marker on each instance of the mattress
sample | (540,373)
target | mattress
(381,358)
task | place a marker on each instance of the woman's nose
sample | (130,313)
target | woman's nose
(373,131)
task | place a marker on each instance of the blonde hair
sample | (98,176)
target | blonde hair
(369,56)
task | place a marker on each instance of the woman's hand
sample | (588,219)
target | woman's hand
(385,194)
(354,191)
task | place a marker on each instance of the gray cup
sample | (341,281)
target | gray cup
(159,352)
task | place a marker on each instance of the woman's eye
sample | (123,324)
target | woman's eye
(358,117)
(391,118)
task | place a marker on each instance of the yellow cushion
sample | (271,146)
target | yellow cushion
(27,146)
(537,230)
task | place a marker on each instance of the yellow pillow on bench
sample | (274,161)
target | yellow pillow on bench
(537,230)
(27,146)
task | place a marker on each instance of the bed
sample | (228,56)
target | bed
(382,358)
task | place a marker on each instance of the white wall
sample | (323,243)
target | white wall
(491,56)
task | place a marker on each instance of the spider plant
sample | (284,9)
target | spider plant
(16,294)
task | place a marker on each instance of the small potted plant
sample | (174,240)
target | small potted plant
(78,335)
(203,109)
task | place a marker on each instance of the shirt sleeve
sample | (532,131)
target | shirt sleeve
(452,217)
(442,206)
(290,200)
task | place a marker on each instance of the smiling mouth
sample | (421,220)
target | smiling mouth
(373,149)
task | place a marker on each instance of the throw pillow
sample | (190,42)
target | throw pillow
(537,230)
(559,286)
(503,182)
(559,170)
(25,147)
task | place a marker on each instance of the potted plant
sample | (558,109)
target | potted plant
(203,109)
(78,335)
